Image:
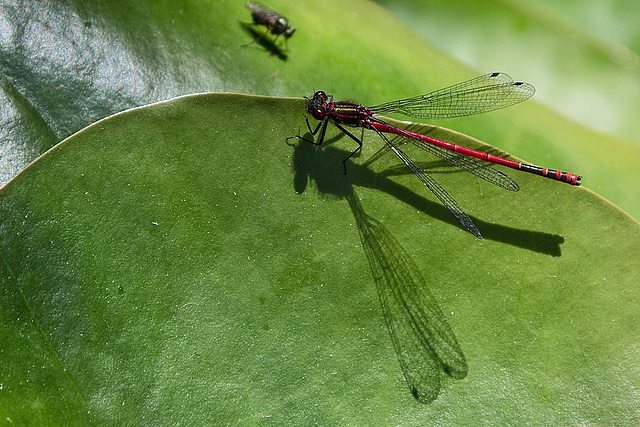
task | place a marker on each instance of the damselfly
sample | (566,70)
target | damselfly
(479,95)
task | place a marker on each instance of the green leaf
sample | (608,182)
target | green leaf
(160,266)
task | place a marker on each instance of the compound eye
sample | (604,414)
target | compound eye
(321,96)
(318,113)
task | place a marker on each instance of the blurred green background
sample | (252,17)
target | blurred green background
(582,56)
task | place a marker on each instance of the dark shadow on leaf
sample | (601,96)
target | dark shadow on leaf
(422,338)
(424,342)
(324,166)
(264,40)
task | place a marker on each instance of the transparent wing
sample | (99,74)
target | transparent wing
(469,164)
(254,6)
(444,197)
(479,95)
(262,14)
(422,338)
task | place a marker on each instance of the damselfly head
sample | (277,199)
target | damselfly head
(321,96)
(316,105)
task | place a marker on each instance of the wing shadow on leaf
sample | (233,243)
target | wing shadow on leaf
(323,165)
(422,338)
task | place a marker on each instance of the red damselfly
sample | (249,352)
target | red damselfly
(274,21)
(479,95)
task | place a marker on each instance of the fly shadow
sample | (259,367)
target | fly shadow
(266,42)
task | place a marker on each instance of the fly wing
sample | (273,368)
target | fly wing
(479,95)
(254,6)
(262,15)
